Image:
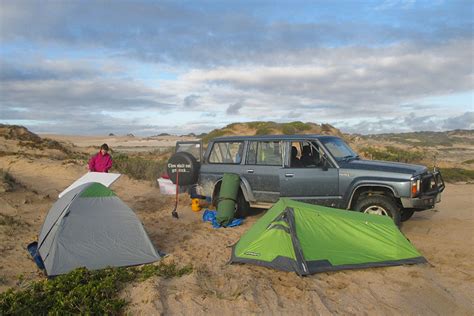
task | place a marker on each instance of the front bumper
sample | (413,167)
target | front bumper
(422,202)
(433,184)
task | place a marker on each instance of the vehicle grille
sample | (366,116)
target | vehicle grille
(428,183)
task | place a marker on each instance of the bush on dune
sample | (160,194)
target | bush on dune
(7,181)
(391,153)
(138,168)
(457,175)
(82,291)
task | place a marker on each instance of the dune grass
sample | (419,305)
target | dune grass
(82,291)
(139,168)
(7,181)
(391,153)
(457,175)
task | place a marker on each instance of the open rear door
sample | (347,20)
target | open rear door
(192,147)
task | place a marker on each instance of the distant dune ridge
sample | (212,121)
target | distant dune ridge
(269,128)
(449,149)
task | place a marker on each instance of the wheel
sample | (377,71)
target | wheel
(243,207)
(407,213)
(380,205)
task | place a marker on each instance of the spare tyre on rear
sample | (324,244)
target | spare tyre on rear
(183,168)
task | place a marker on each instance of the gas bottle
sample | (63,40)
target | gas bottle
(195,205)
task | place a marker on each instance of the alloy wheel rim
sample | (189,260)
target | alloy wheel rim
(376,210)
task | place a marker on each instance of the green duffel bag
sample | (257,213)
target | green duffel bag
(227,198)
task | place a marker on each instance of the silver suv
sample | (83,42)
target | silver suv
(315,169)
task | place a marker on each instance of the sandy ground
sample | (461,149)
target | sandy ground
(121,143)
(444,236)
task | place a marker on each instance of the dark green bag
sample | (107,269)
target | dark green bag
(227,198)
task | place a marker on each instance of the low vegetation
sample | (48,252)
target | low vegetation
(7,181)
(11,221)
(82,291)
(268,127)
(428,139)
(139,168)
(457,175)
(391,153)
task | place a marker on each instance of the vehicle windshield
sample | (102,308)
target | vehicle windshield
(339,149)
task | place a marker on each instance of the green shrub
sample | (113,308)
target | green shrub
(457,175)
(288,130)
(213,134)
(296,127)
(82,291)
(264,130)
(12,221)
(260,124)
(391,153)
(7,179)
(138,168)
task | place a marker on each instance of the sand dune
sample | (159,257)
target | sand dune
(444,236)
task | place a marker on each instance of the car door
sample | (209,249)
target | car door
(222,157)
(263,162)
(316,183)
(192,147)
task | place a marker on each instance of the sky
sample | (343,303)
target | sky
(150,67)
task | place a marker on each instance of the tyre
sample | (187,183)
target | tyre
(183,168)
(407,213)
(243,207)
(379,205)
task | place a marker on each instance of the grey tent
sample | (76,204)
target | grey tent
(91,227)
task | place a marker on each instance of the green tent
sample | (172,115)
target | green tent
(306,239)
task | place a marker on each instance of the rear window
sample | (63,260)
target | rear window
(194,148)
(226,152)
(265,153)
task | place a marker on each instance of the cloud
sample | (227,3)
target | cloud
(343,81)
(409,123)
(177,33)
(464,121)
(191,101)
(234,109)
(360,65)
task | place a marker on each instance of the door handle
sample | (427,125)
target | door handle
(250,171)
(289,175)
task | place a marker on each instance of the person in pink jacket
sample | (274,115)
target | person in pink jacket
(102,161)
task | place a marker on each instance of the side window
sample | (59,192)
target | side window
(226,152)
(264,153)
(295,155)
(310,155)
(252,153)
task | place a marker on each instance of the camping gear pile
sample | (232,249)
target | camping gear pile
(227,202)
(306,239)
(91,227)
(211,216)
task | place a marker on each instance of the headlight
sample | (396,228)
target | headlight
(415,187)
